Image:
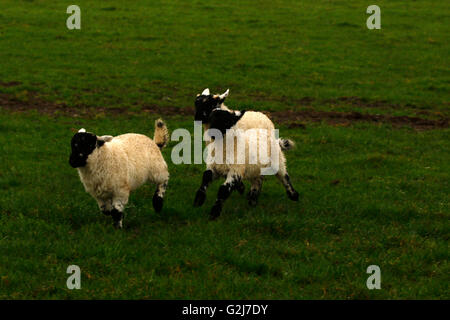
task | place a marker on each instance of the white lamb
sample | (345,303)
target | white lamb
(210,109)
(111,167)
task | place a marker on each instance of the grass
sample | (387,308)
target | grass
(370,193)
(140,53)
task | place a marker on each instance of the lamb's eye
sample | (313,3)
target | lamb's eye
(81,154)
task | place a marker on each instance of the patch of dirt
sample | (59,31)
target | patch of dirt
(10,102)
(32,102)
(353,101)
(335,182)
(10,84)
(365,103)
(298,117)
(293,118)
(170,111)
(305,101)
(308,101)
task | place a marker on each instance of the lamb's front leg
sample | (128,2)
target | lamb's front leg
(255,190)
(286,181)
(200,196)
(233,181)
(159,196)
(118,204)
(105,206)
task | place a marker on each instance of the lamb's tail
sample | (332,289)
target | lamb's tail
(286,144)
(161,136)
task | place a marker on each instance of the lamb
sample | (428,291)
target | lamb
(111,167)
(211,110)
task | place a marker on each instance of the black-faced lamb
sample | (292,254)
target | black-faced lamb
(211,110)
(111,167)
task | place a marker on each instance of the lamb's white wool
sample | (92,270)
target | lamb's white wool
(243,130)
(122,164)
(82,130)
(235,172)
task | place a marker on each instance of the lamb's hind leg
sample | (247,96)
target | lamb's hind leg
(200,196)
(159,196)
(233,180)
(255,190)
(105,206)
(117,213)
(283,176)
(240,187)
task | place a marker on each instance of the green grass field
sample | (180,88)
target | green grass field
(373,190)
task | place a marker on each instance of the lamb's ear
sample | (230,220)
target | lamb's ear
(224,95)
(221,97)
(206,92)
(239,113)
(105,138)
(101,140)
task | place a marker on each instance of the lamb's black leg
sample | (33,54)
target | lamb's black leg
(240,187)
(119,202)
(286,181)
(104,208)
(117,218)
(224,192)
(200,196)
(157,202)
(159,196)
(254,192)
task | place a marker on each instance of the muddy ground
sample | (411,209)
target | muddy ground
(297,117)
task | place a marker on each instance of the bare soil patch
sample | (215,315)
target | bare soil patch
(298,118)
(32,102)
(352,101)
(293,118)
(365,103)
(10,84)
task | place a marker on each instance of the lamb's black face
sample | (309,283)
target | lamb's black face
(83,143)
(223,119)
(204,105)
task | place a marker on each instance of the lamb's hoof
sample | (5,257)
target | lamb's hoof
(157,203)
(118,224)
(215,211)
(293,195)
(200,198)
